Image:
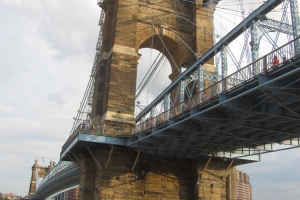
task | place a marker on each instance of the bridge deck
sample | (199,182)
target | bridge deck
(231,120)
(246,120)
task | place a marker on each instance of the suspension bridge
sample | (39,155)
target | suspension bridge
(233,103)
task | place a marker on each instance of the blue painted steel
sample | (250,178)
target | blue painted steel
(263,9)
(174,134)
(68,180)
(102,139)
(224,62)
(75,140)
(254,42)
(84,137)
(295,23)
(273,25)
(200,78)
(237,101)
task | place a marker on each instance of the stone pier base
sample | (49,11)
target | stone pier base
(153,177)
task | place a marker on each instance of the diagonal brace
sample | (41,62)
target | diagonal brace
(207,164)
(228,169)
(75,163)
(136,159)
(76,158)
(110,153)
(99,165)
(198,180)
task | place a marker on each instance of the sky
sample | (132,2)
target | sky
(46,55)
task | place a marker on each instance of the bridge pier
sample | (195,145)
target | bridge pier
(153,177)
(87,177)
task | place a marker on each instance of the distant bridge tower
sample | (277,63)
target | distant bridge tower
(130,25)
(38,172)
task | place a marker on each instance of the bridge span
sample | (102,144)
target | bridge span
(240,122)
(237,118)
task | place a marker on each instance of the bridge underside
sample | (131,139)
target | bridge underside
(243,122)
(246,120)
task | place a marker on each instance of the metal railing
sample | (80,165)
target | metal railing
(263,65)
(59,168)
(248,73)
(94,130)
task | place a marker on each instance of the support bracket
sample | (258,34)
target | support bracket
(75,163)
(228,169)
(206,164)
(99,165)
(111,150)
(76,159)
(136,159)
(200,175)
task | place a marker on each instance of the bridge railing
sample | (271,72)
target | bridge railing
(263,65)
(59,168)
(93,129)
(246,74)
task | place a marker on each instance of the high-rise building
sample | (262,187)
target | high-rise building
(244,191)
(72,194)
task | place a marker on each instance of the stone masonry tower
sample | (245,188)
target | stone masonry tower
(39,171)
(181,30)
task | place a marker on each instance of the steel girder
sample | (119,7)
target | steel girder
(262,10)
(295,23)
(273,25)
(250,118)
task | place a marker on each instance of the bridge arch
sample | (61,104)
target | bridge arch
(179,54)
(126,29)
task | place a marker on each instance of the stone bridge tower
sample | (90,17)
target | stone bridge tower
(182,30)
(39,171)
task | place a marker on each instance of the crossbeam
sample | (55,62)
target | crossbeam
(273,25)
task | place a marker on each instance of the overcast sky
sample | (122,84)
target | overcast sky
(46,54)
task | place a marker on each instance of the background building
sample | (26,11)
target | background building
(71,194)
(244,191)
(11,196)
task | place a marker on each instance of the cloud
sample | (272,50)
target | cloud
(47,51)
(277,172)
(61,97)
(5,109)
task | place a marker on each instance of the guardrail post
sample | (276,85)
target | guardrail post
(265,65)
(224,61)
(200,81)
(254,46)
(295,24)
(166,106)
(224,66)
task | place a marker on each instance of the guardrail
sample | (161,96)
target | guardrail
(94,129)
(263,65)
(59,168)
